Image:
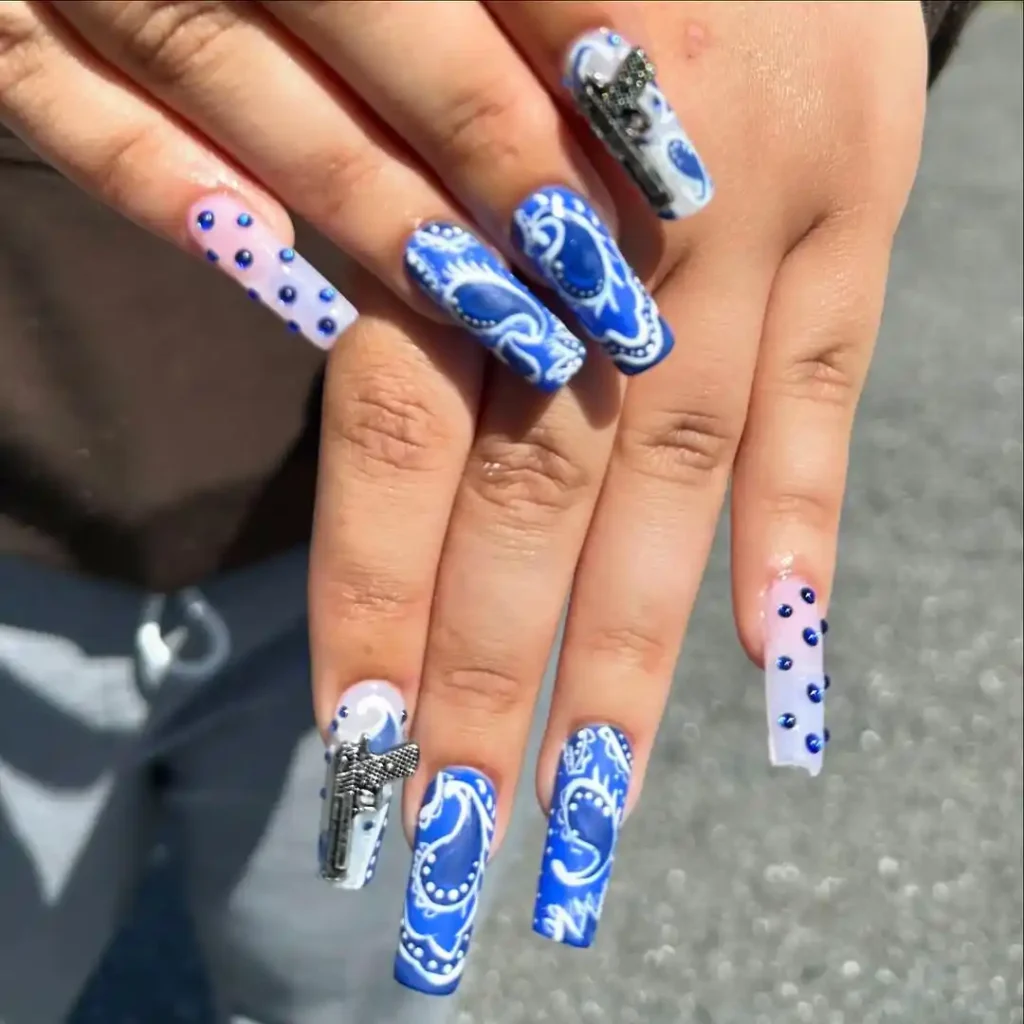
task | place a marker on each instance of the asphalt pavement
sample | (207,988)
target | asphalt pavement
(890,888)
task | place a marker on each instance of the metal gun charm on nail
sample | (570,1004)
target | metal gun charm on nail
(359,779)
(613,110)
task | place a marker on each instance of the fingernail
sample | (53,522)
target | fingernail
(794,675)
(586,815)
(466,280)
(568,245)
(372,712)
(453,841)
(614,88)
(274,274)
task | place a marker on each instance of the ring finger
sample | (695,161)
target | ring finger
(519,516)
(638,577)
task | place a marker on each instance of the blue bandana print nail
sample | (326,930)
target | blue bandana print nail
(453,841)
(470,283)
(561,235)
(586,815)
(655,131)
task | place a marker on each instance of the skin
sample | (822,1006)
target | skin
(458,509)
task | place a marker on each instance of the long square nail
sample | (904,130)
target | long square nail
(472,286)
(794,675)
(570,247)
(614,88)
(587,810)
(453,842)
(366,755)
(242,245)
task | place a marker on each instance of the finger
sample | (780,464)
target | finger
(791,472)
(519,517)
(306,138)
(113,141)
(581,47)
(399,410)
(638,577)
(494,135)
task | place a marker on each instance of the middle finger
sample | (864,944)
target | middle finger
(521,512)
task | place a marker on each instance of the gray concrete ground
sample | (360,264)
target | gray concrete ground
(889,889)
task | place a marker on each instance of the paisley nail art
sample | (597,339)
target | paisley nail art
(614,87)
(240,244)
(372,712)
(466,280)
(795,680)
(587,811)
(566,242)
(453,841)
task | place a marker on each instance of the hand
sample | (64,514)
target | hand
(447,541)
(172,112)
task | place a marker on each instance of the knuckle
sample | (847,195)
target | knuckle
(528,479)
(173,39)
(333,180)
(817,509)
(22,45)
(485,126)
(483,691)
(633,645)
(370,594)
(115,169)
(388,426)
(687,448)
(829,375)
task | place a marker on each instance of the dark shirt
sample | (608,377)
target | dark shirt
(154,428)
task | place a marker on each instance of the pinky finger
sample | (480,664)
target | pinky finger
(119,145)
(790,474)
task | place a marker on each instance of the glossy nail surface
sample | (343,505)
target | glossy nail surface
(236,241)
(468,281)
(453,841)
(568,245)
(587,810)
(375,710)
(794,671)
(637,123)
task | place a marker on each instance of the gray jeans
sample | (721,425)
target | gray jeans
(119,710)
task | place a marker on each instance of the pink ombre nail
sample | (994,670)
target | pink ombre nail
(794,675)
(272,273)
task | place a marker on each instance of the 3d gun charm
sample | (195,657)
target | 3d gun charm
(360,779)
(612,107)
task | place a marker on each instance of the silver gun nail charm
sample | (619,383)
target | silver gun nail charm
(359,779)
(612,108)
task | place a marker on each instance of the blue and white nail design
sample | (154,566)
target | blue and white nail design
(373,709)
(638,121)
(453,841)
(794,675)
(465,278)
(566,242)
(587,811)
